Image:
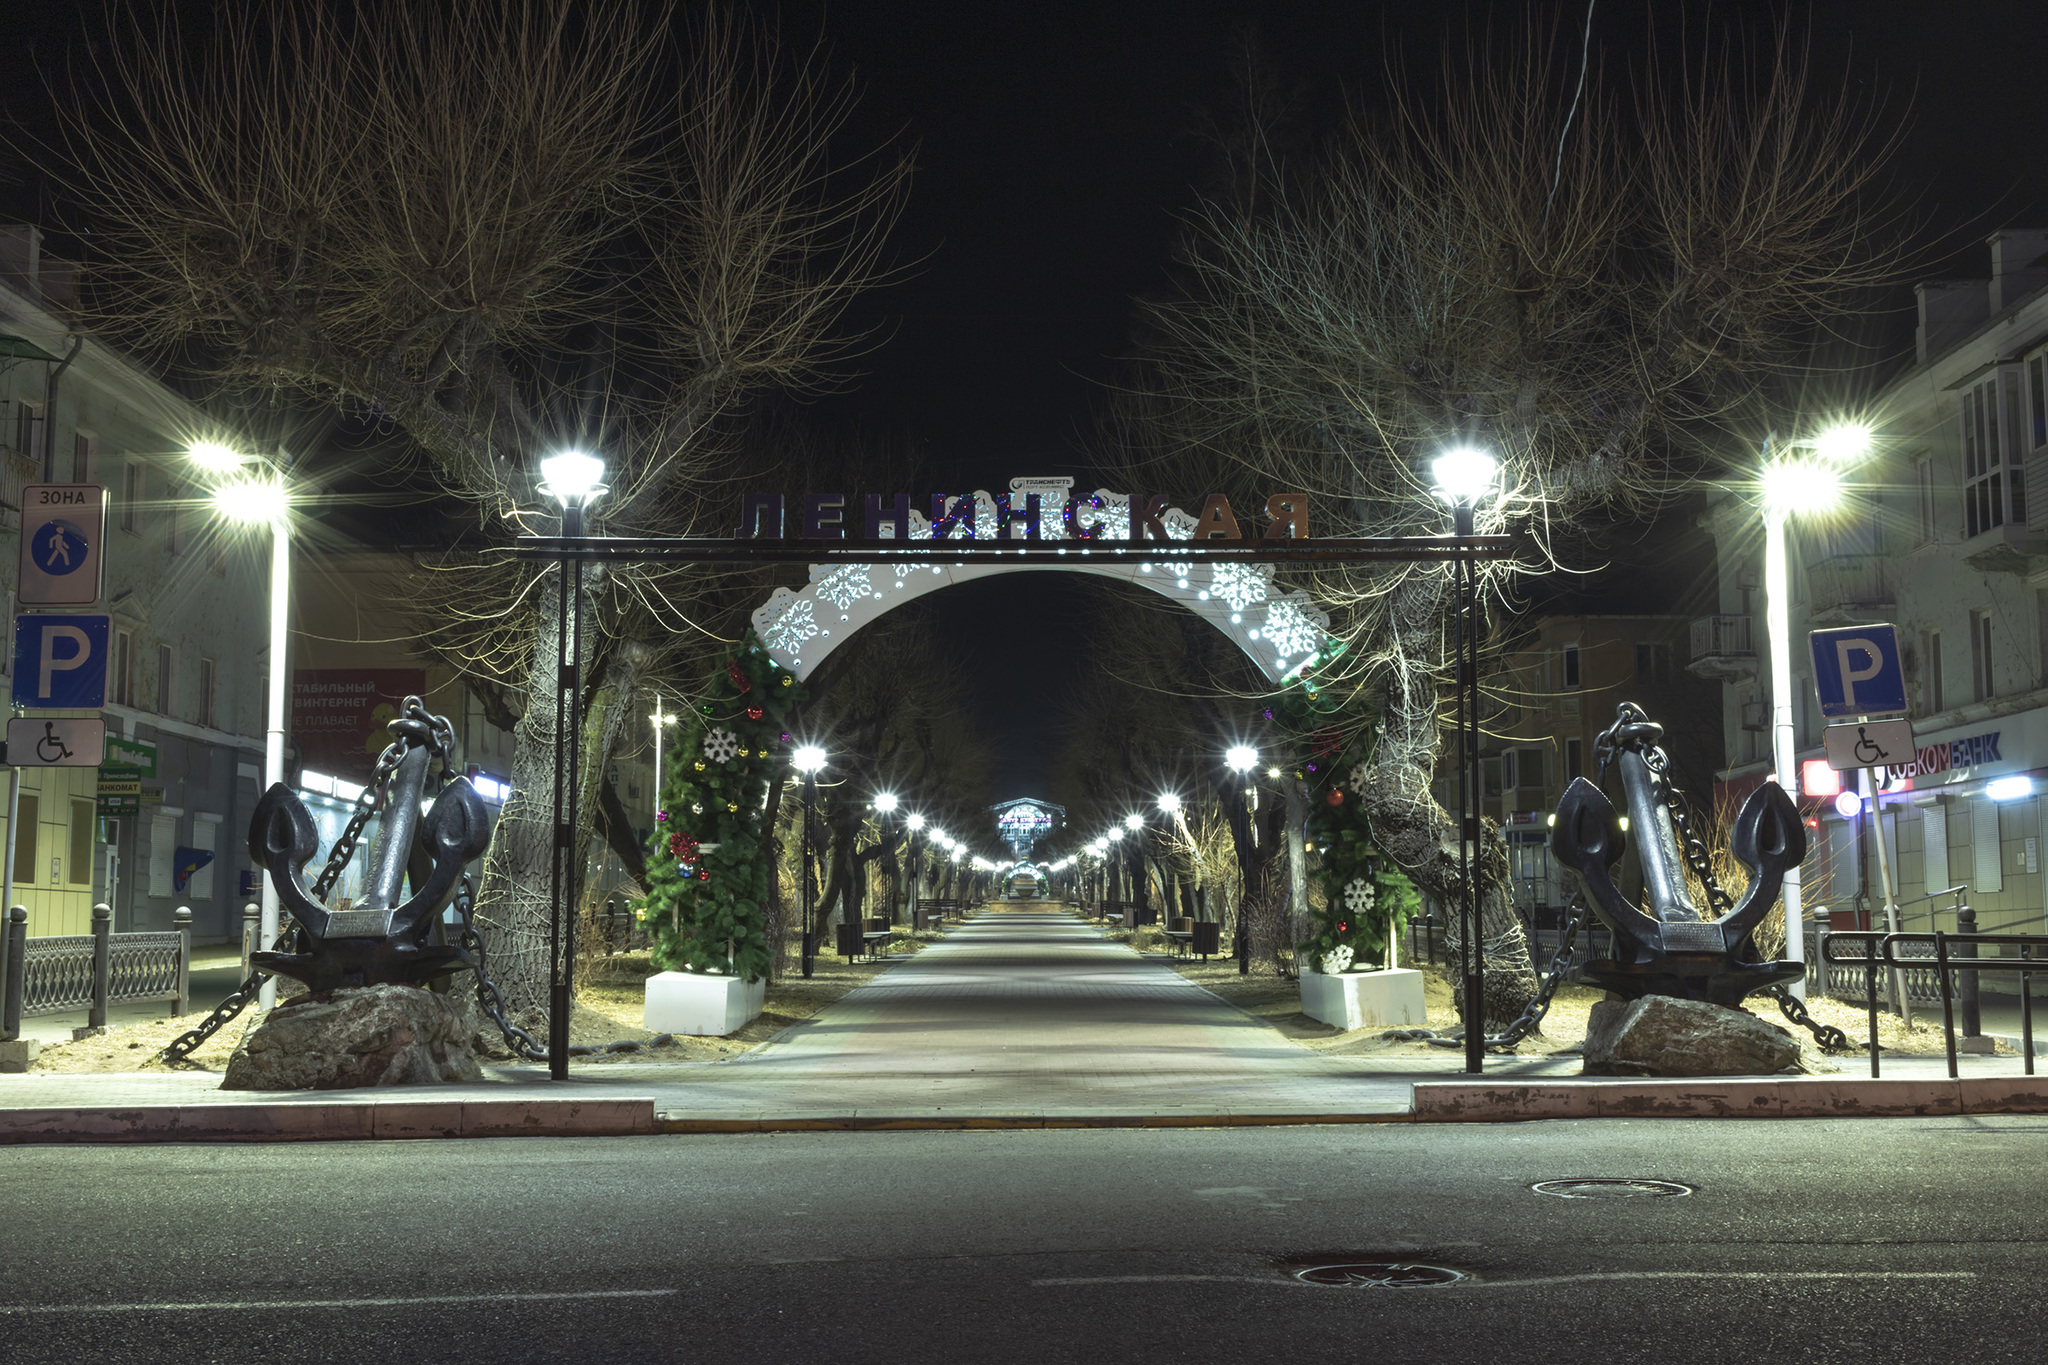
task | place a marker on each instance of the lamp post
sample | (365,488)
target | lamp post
(261,501)
(915,824)
(1464,478)
(885,806)
(1241,759)
(808,759)
(575,480)
(1135,854)
(660,718)
(1790,487)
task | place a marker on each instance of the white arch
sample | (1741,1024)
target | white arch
(1278,631)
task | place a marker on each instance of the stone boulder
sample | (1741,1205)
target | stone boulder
(371,1035)
(1660,1036)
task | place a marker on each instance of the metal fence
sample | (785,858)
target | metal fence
(91,971)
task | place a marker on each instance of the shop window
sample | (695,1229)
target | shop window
(84,818)
(25,839)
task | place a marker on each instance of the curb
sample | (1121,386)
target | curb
(1769,1098)
(887,1123)
(330,1122)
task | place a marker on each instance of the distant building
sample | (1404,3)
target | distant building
(1945,534)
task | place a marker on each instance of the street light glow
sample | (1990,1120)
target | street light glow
(572,477)
(251,502)
(1241,758)
(1134,821)
(1169,803)
(1843,444)
(1117,833)
(808,759)
(916,822)
(214,457)
(885,802)
(1464,476)
(1800,487)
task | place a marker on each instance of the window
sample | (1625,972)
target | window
(1528,769)
(2037,406)
(1507,770)
(166,680)
(25,841)
(1981,678)
(134,482)
(83,818)
(1653,663)
(1937,693)
(1571,666)
(209,714)
(124,668)
(1923,485)
(163,850)
(1993,491)
(28,439)
(1574,759)
(174,522)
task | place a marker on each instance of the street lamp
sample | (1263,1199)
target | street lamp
(1792,486)
(885,804)
(660,718)
(808,759)
(261,501)
(575,480)
(1463,478)
(1242,759)
(915,824)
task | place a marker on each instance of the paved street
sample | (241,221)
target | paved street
(1822,1240)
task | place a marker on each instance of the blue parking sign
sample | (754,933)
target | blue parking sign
(60,662)
(1856,671)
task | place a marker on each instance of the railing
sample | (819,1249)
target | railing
(91,971)
(1945,953)
(1848,581)
(1718,637)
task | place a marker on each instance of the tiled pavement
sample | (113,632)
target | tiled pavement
(1019,1013)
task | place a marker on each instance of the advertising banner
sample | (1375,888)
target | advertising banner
(339,715)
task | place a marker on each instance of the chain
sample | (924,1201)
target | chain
(440,741)
(1532,1015)
(1827,1036)
(487,996)
(185,1044)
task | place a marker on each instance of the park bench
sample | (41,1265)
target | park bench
(863,939)
(1191,936)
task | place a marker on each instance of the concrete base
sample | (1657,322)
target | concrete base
(17,1056)
(706,1006)
(1349,1000)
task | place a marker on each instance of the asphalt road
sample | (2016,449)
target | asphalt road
(1825,1240)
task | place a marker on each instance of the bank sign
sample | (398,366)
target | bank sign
(1968,752)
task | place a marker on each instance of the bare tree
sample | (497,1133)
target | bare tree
(495,232)
(1598,287)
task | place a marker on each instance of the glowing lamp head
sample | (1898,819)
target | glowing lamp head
(251,502)
(1843,444)
(916,822)
(885,802)
(215,458)
(1169,803)
(2009,788)
(1800,487)
(1116,834)
(1464,477)
(808,759)
(1134,821)
(959,853)
(1241,758)
(572,478)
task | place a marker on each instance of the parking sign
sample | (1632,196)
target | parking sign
(60,662)
(1856,671)
(63,526)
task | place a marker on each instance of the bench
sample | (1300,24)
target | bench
(1188,937)
(860,940)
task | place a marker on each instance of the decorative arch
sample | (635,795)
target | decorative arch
(1279,631)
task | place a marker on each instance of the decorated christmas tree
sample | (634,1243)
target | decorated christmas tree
(707,872)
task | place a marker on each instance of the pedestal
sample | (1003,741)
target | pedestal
(691,1002)
(1349,1000)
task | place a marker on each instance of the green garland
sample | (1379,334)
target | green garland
(708,865)
(1363,893)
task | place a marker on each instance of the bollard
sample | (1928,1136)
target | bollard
(102,964)
(252,925)
(1973,1014)
(181,920)
(10,987)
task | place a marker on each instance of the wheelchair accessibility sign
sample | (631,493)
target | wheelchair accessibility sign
(1868,744)
(62,742)
(63,529)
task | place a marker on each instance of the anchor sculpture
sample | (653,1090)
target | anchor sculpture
(1668,949)
(383,939)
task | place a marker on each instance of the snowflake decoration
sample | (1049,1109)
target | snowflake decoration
(721,745)
(1109,520)
(1358,895)
(1289,630)
(1357,779)
(906,567)
(847,584)
(1338,959)
(1239,584)
(791,628)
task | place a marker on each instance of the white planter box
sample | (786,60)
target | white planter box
(689,1002)
(1383,999)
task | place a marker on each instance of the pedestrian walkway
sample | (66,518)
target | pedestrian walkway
(1023,1015)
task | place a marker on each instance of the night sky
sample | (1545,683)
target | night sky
(1056,142)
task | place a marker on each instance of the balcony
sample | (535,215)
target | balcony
(1849,590)
(1721,648)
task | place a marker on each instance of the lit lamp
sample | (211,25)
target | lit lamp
(808,759)
(661,719)
(1242,759)
(1793,486)
(260,502)
(1463,479)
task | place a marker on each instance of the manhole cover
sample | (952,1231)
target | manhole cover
(1380,1274)
(1614,1188)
